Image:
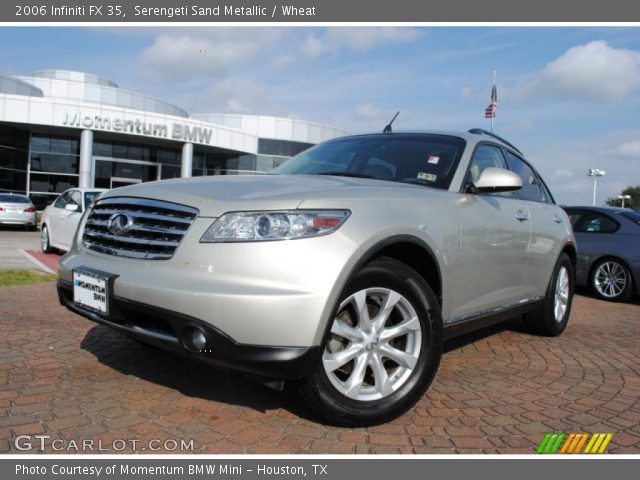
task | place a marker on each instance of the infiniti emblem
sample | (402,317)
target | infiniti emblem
(119,223)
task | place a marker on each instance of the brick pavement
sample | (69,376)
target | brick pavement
(497,391)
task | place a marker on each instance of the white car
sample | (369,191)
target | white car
(60,219)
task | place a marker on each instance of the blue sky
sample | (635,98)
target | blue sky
(568,97)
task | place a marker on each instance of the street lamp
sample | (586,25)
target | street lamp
(623,198)
(595,173)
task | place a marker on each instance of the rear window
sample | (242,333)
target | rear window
(14,199)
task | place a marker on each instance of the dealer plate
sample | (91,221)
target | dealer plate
(91,291)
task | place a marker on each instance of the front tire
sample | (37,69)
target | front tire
(45,244)
(551,318)
(611,280)
(383,348)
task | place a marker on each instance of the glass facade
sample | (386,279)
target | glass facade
(54,163)
(44,164)
(14,148)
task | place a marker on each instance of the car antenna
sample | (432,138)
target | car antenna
(387,129)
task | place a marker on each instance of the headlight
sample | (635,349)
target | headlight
(287,225)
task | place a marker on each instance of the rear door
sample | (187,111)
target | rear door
(549,226)
(494,241)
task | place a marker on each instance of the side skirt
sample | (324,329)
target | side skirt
(469,323)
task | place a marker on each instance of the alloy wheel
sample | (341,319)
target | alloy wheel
(44,239)
(610,279)
(561,299)
(374,346)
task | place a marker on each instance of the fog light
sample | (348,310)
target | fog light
(194,339)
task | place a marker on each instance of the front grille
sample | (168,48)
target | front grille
(151,229)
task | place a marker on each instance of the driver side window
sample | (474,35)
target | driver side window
(486,156)
(62,200)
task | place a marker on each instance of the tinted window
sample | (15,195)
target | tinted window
(62,200)
(90,197)
(574,216)
(530,187)
(76,198)
(597,223)
(14,199)
(428,160)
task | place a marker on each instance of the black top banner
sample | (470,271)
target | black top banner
(323,11)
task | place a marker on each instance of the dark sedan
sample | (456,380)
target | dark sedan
(608,241)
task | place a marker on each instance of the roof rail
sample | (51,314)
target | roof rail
(481,131)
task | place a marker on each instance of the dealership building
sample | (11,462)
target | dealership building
(61,129)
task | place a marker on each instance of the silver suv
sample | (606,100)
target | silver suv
(344,270)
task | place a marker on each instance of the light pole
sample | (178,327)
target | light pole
(595,173)
(623,198)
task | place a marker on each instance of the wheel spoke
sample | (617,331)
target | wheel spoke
(333,361)
(386,309)
(362,310)
(382,383)
(354,382)
(400,329)
(342,329)
(403,359)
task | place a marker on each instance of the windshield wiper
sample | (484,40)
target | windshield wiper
(346,174)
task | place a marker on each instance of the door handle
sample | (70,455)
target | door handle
(557,219)
(522,216)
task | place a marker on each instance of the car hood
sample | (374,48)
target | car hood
(213,196)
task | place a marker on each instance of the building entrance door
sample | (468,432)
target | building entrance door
(117,172)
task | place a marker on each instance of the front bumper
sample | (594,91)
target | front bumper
(165,329)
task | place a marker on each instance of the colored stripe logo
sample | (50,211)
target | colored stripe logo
(574,443)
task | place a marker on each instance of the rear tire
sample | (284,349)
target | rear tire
(551,317)
(611,280)
(383,348)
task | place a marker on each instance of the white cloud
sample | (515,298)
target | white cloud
(236,95)
(362,38)
(593,71)
(190,53)
(367,111)
(629,150)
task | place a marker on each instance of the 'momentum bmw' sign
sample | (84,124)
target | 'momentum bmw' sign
(175,130)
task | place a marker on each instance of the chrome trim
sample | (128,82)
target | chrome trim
(155,231)
(489,311)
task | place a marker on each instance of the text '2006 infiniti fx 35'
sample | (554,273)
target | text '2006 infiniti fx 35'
(344,270)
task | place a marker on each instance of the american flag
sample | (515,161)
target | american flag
(490,111)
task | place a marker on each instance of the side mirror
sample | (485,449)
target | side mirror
(496,180)
(72,207)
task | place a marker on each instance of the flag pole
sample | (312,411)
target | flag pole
(493,116)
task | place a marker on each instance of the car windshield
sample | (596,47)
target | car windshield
(633,216)
(422,159)
(14,199)
(90,197)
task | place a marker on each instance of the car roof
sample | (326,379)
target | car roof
(609,210)
(84,190)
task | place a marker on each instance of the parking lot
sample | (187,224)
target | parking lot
(497,391)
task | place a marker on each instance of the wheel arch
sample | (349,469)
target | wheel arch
(405,248)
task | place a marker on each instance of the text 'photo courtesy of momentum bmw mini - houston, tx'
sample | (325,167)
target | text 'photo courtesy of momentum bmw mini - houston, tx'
(342,272)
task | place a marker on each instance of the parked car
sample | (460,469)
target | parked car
(343,271)
(17,210)
(608,241)
(60,219)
